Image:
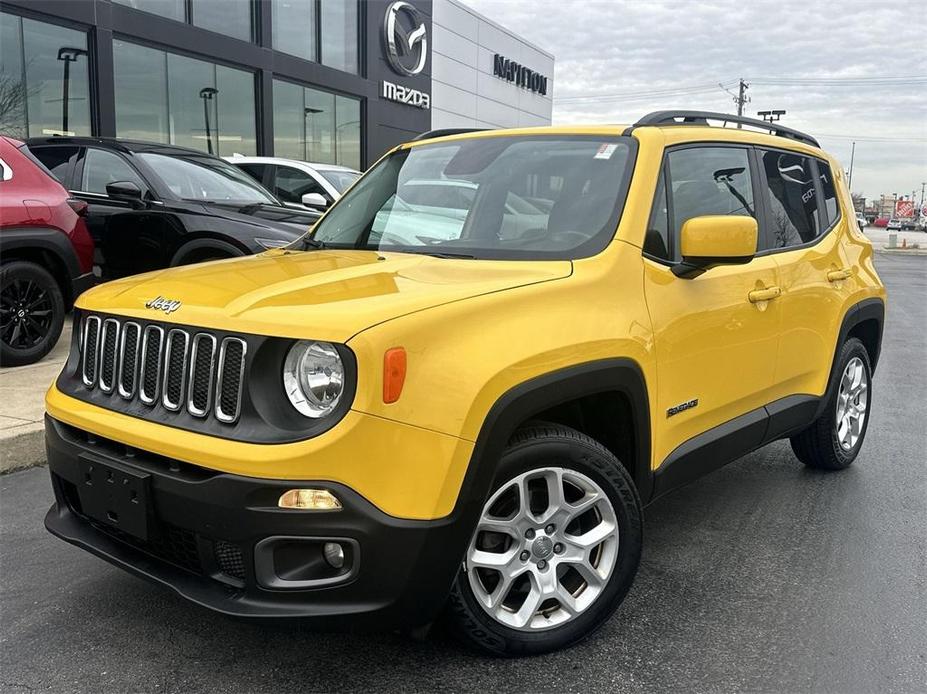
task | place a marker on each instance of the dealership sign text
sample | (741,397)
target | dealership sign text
(511,71)
(405,95)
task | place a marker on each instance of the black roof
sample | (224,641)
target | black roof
(117,144)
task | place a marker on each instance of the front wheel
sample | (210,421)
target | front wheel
(556,548)
(833,440)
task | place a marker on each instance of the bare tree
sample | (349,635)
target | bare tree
(13,96)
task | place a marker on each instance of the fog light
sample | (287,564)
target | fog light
(309,500)
(334,554)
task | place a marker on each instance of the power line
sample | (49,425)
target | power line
(670,91)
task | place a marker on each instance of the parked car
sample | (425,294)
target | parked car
(378,428)
(299,183)
(861,221)
(152,206)
(46,255)
(881,222)
(894,224)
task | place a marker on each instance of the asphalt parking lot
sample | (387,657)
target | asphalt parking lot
(764,576)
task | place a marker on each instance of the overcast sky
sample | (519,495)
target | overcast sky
(850,67)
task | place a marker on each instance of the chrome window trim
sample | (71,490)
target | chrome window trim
(191,408)
(109,322)
(90,382)
(165,375)
(141,378)
(120,387)
(220,415)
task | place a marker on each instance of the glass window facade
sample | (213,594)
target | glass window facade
(317,126)
(165,97)
(339,34)
(229,17)
(324,31)
(294,27)
(172,9)
(44,79)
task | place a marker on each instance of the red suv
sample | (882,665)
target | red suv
(46,255)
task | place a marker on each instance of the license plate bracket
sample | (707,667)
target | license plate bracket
(115,494)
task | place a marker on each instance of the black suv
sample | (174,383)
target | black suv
(152,206)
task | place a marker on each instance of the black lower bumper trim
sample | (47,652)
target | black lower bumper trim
(204,526)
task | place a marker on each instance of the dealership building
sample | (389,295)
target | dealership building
(332,81)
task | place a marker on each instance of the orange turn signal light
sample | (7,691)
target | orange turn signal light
(394,373)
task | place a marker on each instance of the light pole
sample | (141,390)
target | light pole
(308,111)
(771,116)
(850,175)
(68,55)
(206,94)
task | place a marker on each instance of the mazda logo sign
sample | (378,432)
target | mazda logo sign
(406,50)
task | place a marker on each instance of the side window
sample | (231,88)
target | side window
(792,199)
(829,193)
(708,181)
(290,185)
(657,240)
(102,167)
(58,160)
(256,171)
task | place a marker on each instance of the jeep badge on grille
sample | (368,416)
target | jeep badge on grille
(162,304)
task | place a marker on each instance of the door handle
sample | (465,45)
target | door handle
(758,295)
(837,275)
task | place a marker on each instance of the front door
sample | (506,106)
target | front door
(715,343)
(127,236)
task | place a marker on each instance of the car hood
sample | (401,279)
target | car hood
(291,221)
(326,294)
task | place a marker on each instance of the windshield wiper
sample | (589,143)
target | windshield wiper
(308,242)
(441,254)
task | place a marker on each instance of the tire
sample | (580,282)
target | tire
(826,444)
(31,313)
(549,456)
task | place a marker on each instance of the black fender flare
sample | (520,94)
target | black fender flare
(872,308)
(444,551)
(206,242)
(52,241)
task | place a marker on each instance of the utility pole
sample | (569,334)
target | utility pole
(850,175)
(741,98)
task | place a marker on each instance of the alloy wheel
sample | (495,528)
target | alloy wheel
(852,399)
(544,549)
(26,314)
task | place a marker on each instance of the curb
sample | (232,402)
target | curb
(900,251)
(23,448)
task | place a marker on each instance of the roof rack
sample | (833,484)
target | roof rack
(442,132)
(658,118)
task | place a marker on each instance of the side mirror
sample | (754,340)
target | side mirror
(124,190)
(715,240)
(316,200)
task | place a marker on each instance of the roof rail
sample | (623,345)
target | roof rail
(658,118)
(442,132)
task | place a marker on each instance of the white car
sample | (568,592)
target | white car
(894,225)
(298,183)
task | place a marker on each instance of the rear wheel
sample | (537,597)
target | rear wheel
(833,440)
(556,548)
(31,313)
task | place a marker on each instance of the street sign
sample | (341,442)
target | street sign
(904,208)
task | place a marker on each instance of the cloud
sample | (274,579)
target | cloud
(684,48)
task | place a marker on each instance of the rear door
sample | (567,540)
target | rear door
(715,348)
(802,226)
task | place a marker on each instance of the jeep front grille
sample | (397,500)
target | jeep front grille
(175,369)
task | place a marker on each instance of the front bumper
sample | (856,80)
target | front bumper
(204,526)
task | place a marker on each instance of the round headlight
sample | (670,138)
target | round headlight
(313,378)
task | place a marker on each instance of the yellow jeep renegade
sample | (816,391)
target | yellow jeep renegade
(458,390)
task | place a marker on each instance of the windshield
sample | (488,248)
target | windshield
(340,180)
(490,197)
(205,179)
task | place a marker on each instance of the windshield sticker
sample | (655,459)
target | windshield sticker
(606,151)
